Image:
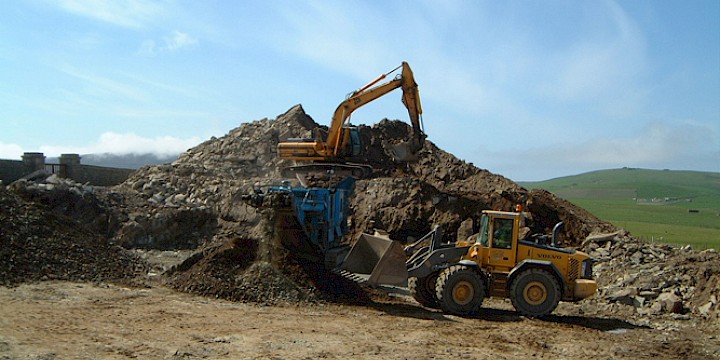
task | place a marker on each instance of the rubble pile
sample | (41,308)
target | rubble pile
(38,244)
(262,270)
(68,198)
(205,183)
(210,178)
(404,199)
(195,203)
(655,279)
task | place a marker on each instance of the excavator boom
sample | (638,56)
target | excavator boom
(338,144)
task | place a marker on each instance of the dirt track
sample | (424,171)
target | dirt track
(64,320)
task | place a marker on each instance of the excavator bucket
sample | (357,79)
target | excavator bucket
(402,152)
(376,261)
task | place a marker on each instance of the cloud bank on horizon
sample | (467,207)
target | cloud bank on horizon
(529,91)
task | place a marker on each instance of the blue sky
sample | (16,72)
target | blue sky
(527,89)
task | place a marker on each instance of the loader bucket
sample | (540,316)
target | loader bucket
(377,260)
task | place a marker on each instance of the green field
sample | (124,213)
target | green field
(677,207)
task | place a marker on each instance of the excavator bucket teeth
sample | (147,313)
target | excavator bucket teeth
(402,152)
(376,261)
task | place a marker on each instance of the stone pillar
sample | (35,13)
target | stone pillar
(70,166)
(33,161)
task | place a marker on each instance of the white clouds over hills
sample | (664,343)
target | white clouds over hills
(111,143)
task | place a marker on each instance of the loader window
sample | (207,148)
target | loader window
(483,237)
(502,233)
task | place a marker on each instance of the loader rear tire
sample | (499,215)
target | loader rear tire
(460,290)
(535,293)
(423,290)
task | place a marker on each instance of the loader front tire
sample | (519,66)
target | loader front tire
(460,290)
(423,290)
(535,293)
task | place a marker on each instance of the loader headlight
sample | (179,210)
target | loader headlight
(587,269)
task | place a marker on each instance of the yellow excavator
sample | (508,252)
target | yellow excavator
(330,151)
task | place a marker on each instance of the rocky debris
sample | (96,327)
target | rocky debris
(43,181)
(212,176)
(66,197)
(405,199)
(36,244)
(264,271)
(194,203)
(655,279)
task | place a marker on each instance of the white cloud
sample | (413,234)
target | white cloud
(685,145)
(179,40)
(126,13)
(10,151)
(127,143)
(176,41)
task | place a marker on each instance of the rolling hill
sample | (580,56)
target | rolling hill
(681,207)
(125,161)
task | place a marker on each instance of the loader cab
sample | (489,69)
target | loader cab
(498,238)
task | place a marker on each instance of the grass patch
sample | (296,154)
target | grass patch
(659,223)
(651,204)
(697,237)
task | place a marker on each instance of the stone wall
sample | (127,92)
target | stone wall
(69,167)
(11,170)
(98,175)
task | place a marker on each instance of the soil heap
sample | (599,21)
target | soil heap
(37,242)
(55,229)
(403,199)
(196,200)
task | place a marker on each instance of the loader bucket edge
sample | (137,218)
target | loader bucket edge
(379,259)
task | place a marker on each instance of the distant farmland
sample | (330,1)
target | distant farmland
(678,207)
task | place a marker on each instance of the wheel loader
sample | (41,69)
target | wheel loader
(457,277)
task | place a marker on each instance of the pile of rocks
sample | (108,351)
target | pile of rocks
(195,203)
(655,279)
(42,181)
(66,197)
(406,200)
(38,244)
(211,177)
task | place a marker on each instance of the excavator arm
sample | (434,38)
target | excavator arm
(367,94)
(335,146)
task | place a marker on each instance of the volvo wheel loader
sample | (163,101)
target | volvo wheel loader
(457,277)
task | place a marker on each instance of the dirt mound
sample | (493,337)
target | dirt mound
(36,243)
(211,177)
(195,203)
(405,199)
(265,270)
